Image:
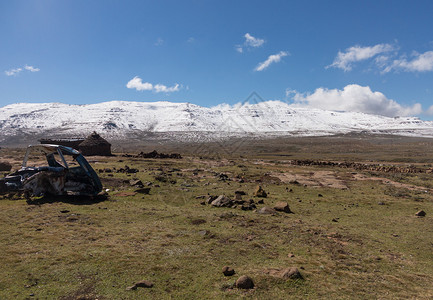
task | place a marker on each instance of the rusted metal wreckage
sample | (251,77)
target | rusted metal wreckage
(67,173)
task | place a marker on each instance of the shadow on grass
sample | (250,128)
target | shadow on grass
(75,200)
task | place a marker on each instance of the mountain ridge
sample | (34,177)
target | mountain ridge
(123,119)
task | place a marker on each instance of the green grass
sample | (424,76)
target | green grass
(96,250)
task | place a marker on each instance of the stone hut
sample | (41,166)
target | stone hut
(94,144)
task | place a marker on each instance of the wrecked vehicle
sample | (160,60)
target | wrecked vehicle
(67,173)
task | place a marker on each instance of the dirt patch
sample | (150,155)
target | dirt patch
(387,181)
(314,179)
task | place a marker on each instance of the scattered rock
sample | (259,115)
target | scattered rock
(288,273)
(206,234)
(227,271)
(260,192)
(125,194)
(319,195)
(291,273)
(248,206)
(197,221)
(291,255)
(103,194)
(238,197)
(420,213)
(143,190)
(210,199)
(155,154)
(161,178)
(5,166)
(127,169)
(143,284)
(261,201)
(222,201)
(242,193)
(244,282)
(282,206)
(381,203)
(222,176)
(266,210)
(136,182)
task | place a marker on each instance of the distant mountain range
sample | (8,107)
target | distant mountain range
(123,120)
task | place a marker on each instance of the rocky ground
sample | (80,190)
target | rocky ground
(228,226)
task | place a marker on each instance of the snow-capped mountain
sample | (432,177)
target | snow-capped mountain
(123,119)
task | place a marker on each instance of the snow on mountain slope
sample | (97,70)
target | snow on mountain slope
(122,118)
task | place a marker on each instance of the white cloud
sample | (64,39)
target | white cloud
(138,84)
(250,42)
(13,72)
(344,60)
(162,88)
(271,59)
(419,63)
(354,98)
(16,71)
(31,68)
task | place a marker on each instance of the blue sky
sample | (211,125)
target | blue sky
(369,56)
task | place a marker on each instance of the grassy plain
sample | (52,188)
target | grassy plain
(353,234)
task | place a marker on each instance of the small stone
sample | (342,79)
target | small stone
(244,282)
(319,195)
(266,210)
(291,255)
(381,203)
(227,271)
(288,273)
(136,182)
(260,192)
(143,190)
(210,199)
(222,201)
(282,206)
(291,273)
(143,284)
(420,213)
(5,166)
(261,201)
